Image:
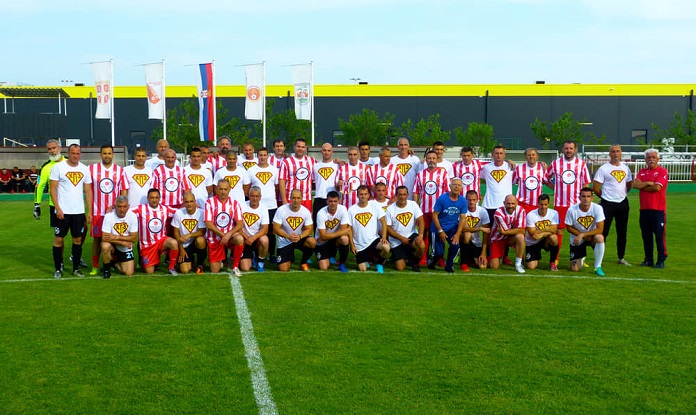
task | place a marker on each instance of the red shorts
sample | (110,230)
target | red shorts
(562,211)
(499,248)
(96,231)
(216,251)
(427,220)
(150,256)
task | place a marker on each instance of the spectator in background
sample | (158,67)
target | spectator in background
(17,180)
(5,179)
(32,179)
(652,184)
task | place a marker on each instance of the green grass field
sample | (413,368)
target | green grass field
(359,343)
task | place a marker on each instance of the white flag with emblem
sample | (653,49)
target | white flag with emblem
(102,81)
(154,81)
(302,81)
(255,92)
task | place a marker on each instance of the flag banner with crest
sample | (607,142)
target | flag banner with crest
(302,81)
(154,82)
(102,81)
(255,92)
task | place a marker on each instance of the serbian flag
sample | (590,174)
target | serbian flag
(154,81)
(302,82)
(206,103)
(255,92)
(103,74)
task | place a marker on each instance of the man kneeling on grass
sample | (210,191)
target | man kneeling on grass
(365,242)
(189,231)
(509,227)
(585,221)
(293,226)
(542,224)
(119,233)
(333,230)
(406,228)
(254,231)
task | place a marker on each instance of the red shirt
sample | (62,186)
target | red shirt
(654,200)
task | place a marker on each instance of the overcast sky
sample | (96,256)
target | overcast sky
(45,42)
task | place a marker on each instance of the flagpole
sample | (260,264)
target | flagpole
(213,90)
(164,102)
(113,94)
(311,88)
(264,103)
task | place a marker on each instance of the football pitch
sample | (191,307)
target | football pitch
(358,343)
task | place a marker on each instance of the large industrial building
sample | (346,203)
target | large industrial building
(624,113)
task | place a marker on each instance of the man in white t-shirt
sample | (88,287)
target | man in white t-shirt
(189,229)
(69,186)
(294,227)
(119,234)
(254,231)
(324,179)
(407,164)
(585,223)
(236,176)
(199,178)
(475,233)
(542,225)
(333,233)
(611,183)
(498,177)
(139,178)
(366,243)
(265,176)
(406,230)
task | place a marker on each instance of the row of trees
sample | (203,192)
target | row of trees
(379,130)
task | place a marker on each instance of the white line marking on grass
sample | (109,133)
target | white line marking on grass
(262,390)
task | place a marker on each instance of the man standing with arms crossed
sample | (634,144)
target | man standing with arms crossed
(70,183)
(108,182)
(652,184)
(566,176)
(611,183)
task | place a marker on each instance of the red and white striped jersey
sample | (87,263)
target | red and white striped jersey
(430,185)
(352,177)
(388,175)
(107,184)
(139,182)
(530,181)
(273,160)
(217,163)
(568,178)
(297,174)
(224,215)
(172,184)
(152,223)
(505,221)
(470,175)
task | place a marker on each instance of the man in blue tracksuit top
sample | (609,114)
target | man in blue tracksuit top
(447,225)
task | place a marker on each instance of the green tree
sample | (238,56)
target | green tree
(566,128)
(425,132)
(477,135)
(285,125)
(683,130)
(367,126)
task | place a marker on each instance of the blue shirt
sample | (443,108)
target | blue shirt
(448,212)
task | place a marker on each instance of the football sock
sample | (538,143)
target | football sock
(342,253)
(306,254)
(553,253)
(173,257)
(560,245)
(76,256)
(237,252)
(95,261)
(57,257)
(518,261)
(598,254)
(200,256)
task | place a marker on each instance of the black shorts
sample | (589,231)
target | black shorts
(472,250)
(403,251)
(190,252)
(533,252)
(327,250)
(368,254)
(54,220)
(123,256)
(250,250)
(579,251)
(287,253)
(75,224)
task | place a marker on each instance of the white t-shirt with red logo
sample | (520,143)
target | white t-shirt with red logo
(364,221)
(291,222)
(188,223)
(402,220)
(71,181)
